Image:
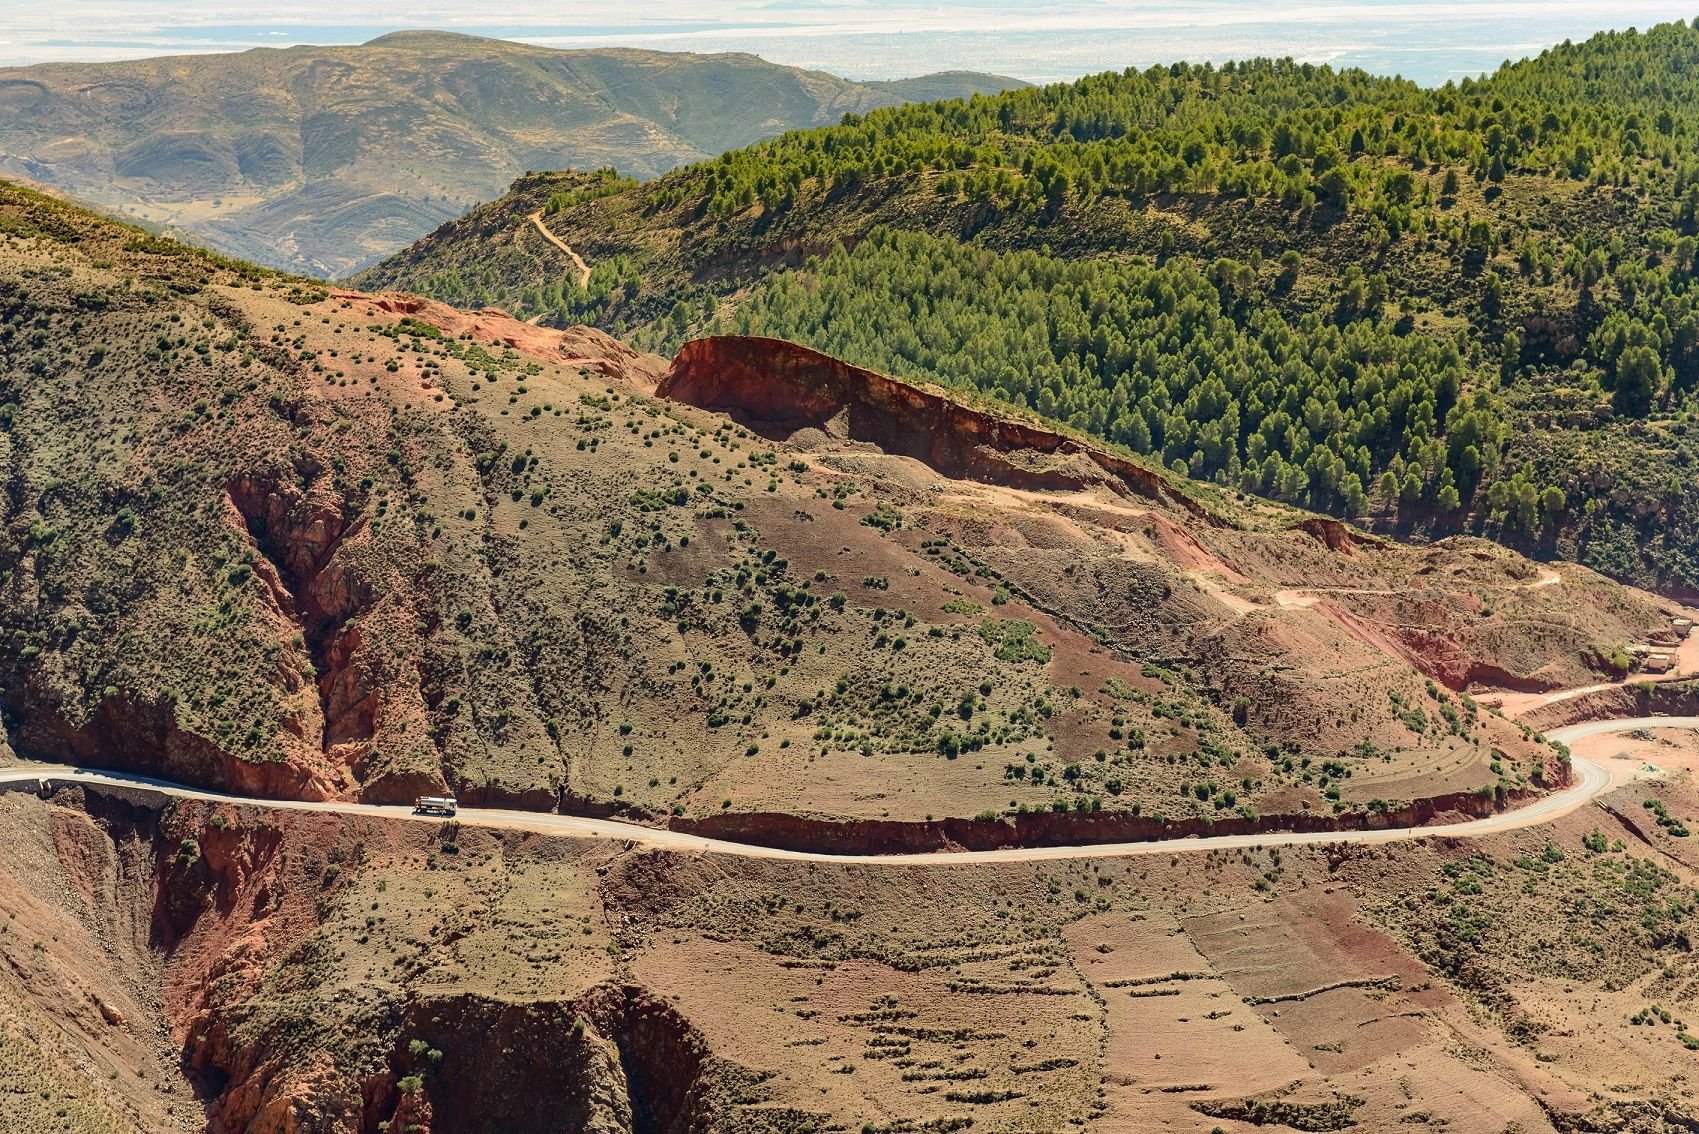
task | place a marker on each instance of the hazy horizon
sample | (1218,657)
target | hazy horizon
(871,39)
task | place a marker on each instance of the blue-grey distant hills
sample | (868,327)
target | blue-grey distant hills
(326,159)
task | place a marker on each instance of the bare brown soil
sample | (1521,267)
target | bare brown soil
(293,961)
(578,263)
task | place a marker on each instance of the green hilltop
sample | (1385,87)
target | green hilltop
(1427,310)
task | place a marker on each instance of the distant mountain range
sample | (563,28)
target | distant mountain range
(325,159)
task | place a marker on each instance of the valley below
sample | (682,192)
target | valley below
(323,966)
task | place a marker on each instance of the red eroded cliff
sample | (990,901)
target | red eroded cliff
(778,388)
(146,736)
(1050,828)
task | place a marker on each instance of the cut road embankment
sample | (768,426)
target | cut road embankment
(1588,781)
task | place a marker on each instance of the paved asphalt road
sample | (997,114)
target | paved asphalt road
(1590,780)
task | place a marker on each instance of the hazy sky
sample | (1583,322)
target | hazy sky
(1428,40)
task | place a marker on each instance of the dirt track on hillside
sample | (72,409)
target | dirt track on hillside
(536,219)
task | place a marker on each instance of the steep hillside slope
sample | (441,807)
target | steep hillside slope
(263,534)
(323,159)
(233,969)
(303,542)
(1433,311)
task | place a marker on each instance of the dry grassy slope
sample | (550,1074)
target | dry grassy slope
(302,542)
(323,159)
(326,975)
(84,1042)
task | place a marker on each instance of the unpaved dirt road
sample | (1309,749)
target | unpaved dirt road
(536,218)
(1590,781)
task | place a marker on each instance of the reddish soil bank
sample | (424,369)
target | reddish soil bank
(575,346)
(777,388)
(1049,828)
(145,737)
(1636,699)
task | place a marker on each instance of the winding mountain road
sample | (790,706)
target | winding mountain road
(1590,781)
(578,263)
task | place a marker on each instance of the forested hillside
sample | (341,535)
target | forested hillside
(1424,309)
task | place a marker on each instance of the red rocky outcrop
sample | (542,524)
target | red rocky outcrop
(574,346)
(778,388)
